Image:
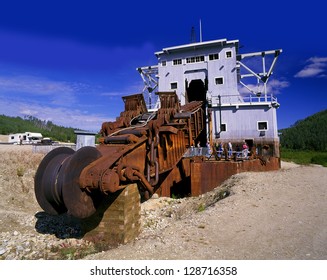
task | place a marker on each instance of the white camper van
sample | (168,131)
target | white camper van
(25,138)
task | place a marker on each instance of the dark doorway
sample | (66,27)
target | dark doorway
(196,91)
(249,142)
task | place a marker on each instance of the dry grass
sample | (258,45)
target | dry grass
(18,166)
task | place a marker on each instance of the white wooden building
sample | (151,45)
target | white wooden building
(233,86)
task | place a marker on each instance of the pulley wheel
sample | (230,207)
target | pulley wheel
(78,202)
(48,193)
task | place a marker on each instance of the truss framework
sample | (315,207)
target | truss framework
(264,75)
(149,75)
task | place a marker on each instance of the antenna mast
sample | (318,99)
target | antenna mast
(200,31)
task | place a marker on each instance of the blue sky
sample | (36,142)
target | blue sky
(70,62)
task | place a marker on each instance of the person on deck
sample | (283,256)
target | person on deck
(230,150)
(245,150)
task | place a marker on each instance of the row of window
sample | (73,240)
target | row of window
(218,81)
(196,59)
(261,126)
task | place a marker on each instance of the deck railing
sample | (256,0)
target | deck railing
(239,99)
(208,153)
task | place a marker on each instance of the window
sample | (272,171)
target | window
(199,58)
(262,126)
(213,56)
(190,59)
(177,61)
(173,85)
(195,59)
(223,127)
(163,63)
(228,54)
(219,80)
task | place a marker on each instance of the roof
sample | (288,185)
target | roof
(83,132)
(199,45)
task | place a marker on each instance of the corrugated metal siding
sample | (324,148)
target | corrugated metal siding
(222,67)
(242,123)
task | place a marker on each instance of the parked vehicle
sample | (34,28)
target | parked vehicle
(25,138)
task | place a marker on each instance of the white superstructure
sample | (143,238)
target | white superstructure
(232,85)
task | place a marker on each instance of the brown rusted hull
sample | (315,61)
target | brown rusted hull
(207,175)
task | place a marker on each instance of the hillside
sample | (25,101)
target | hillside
(10,125)
(307,134)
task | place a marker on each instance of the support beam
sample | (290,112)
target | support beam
(263,76)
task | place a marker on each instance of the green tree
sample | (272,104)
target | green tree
(307,134)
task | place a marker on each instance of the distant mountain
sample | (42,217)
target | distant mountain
(10,125)
(307,134)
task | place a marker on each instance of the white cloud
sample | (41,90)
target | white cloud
(57,92)
(273,87)
(33,85)
(63,103)
(132,88)
(315,67)
(64,116)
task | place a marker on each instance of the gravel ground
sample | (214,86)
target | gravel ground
(269,215)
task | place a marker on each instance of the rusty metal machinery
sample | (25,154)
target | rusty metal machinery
(142,147)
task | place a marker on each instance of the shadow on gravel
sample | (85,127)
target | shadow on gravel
(65,226)
(62,226)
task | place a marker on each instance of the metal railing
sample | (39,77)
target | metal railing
(232,99)
(194,151)
(207,152)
